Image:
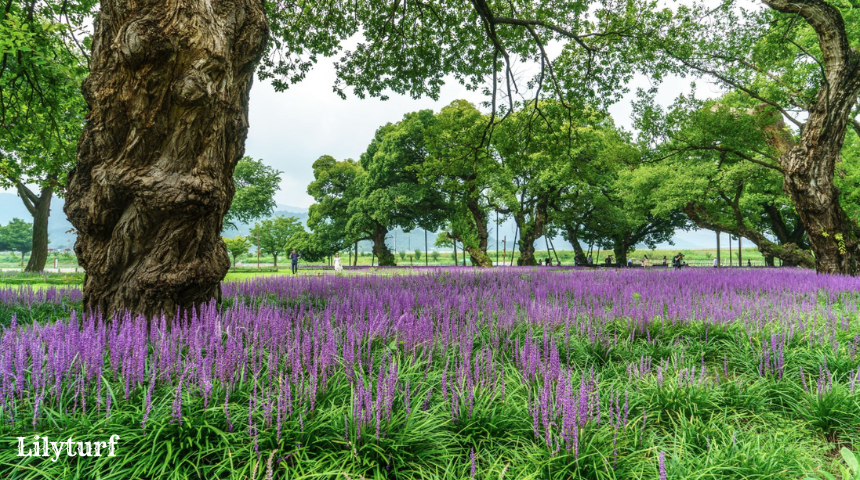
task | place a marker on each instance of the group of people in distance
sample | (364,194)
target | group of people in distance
(677,261)
(548,262)
(295,256)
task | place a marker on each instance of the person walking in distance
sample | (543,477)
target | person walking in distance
(294,261)
(337,266)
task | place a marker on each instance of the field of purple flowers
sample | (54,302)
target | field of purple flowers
(506,373)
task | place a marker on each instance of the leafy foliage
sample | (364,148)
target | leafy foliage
(336,185)
(237,246)
(256,184)
(41,106)
(277,234)
(410,48)
(17,237)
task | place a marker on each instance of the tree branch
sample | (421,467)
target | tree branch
(740,87)
(31,201)
(739,154)
(828,25)
(567,33)
(788,252)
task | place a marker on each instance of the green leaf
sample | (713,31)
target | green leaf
(850,459)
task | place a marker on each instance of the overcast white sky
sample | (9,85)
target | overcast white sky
(291,129)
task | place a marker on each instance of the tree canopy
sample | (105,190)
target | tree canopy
(277,234)
(16,237)
(42,65)
(713,160)
(237,246)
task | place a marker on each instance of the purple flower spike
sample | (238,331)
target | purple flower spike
(474,467)
(662,464)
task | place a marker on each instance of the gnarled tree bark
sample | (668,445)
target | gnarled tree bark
(168,96)
(478,256)
(810,164)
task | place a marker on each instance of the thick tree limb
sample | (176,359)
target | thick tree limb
(31,201)
(789,253)
(744,156)
(830,28)
(567,33)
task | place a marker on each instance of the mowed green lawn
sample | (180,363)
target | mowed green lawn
(68,279)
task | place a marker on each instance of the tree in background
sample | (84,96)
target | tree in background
(713,160)
(277,234)
(392,193)
(418,254)
(335,185)
(461,165)
(574,208)
(626,220)
(460,228)
(237,246)
(256,184)
(312,247)
(797,62)
(434,255)
(41,106)
(544,149)
(16,236)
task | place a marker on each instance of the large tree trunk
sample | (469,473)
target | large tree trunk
(380,249)
(809,181)
(168,96)
(479,255)
(619,249)
(578,253)
(40,208)
(530,232)
(620,246)
(809,165)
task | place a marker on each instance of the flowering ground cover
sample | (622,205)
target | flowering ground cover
(505,373)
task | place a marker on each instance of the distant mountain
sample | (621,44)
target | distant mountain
(58,226)
(287,208)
